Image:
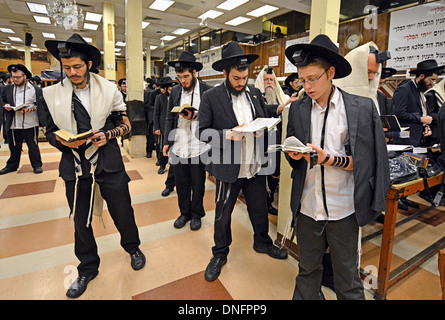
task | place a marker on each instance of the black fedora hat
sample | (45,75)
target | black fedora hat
(387,72)
(290,78)
(77,43)
(166,82)
(323,47)
(231,53)
(186,59)
(20,67)
(427,66)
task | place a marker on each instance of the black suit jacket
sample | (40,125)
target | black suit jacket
(8,98)
(216,114)
(160,114)
(367,147)
(385,104)
(148,109)
(408,109)
(171,121)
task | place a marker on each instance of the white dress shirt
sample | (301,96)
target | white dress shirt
(84,96)
(339,183)
(25,94)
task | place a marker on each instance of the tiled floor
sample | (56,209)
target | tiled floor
(37,259)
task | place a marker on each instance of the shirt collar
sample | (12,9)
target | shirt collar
(335,100)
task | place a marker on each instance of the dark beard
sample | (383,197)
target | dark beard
(232,89)
(422,86)
(192,85)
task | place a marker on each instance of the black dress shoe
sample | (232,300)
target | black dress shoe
(273,211)
(137,260)
(402,206)
(213,269)
(161,170)
(38,170)
(6,170)
(195,224)
(157,163)
(380,219)
(410,203)
(148,155)
(166,191)
(181,221)
(272,251)
(78,287)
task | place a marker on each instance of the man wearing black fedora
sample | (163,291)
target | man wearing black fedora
(342,184)
(22,125)
(92,168)
(410,105)
(235,160)
(187,153)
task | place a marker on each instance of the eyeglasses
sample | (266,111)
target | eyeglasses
(75,67)
(376,74)
(17,77)
(432,80)
(311,81)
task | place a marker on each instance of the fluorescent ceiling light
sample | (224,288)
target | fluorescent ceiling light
(181,31)
(49,35)
(89,40)
(231,4)
(145,24)
(91,16)
(117,49)
(153,47)
(90,26)
(40,19)
(120,44)
(212,14)
(262,11)
(161,5)
(6,30)
(237,21)
(37,8)
(16,39)
(168,38)
(5,43)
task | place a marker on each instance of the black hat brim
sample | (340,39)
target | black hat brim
(90,51)
(221,64)
(420,71)
(195,65)
(21,68)
(342,66)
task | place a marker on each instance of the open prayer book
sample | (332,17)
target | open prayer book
(69,137)
(290,144)
(181,109)
(391,123)
(17,108)
(259,124)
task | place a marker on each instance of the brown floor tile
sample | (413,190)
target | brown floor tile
(433,217)
(193,287)
(28,189)
(46,167)
(134,175)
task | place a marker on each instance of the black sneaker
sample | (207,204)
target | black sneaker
(78,287)
(213,269)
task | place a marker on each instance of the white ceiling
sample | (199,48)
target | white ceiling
(15,14)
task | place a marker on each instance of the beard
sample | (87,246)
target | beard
(235,91)
(271,96)
(191,86)
(422,86)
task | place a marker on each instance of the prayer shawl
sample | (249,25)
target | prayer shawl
(59,100)
(357,82)
(439,92)
(259,83)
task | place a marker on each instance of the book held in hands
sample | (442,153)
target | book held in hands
(69,137)
(290,144)
(259,124)
(181,109)
(17,108)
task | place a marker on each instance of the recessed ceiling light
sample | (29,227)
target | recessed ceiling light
(262,11)
(161,5)
(237,21)
(91,16)
(168,38)
(153,47)
(40,19)
(212,14)
(89,40)
(231,4)
(7,30)
(90,26)
(181,31)
(16,39)
(120,44)
(145,24)
(49,35)
(37,8)
(117,49)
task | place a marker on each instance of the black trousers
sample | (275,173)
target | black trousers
(255,194)
(15,142)
(114,190)
(150,139)
(190,176)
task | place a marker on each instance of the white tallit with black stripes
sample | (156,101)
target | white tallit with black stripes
(59,100)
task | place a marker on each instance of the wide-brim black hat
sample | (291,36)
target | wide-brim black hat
(290,78)
(323,47)
(21,67)
(167,81)
(427,66)
(77,43)
(387,72)
(186,59)
(231,53)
